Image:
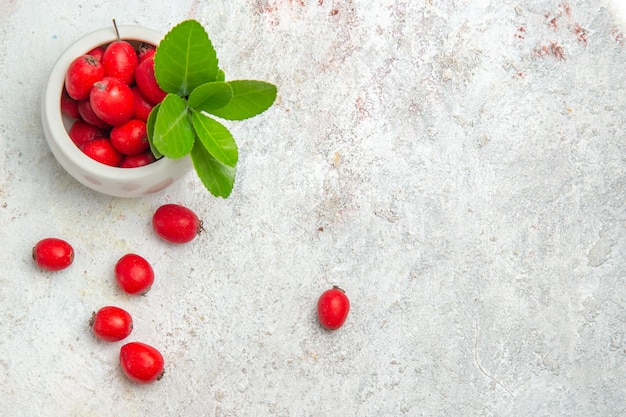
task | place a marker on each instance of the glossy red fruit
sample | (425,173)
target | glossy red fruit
(87,114)
(145,51)
(134,274)
(142,106)
(146,81)
(120,60)
(111,324)
(81,75)
(175,223)
(82,132)
(69,106)
(141,363)
(101,150)
(53,254)
(97,52)
(130,138)
(332,308)
(136,161)
(112,101)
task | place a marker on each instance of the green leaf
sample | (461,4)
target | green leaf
(215,138)
(150,130)
(250,98)
(187,68)
(216,177)
(185,58)
(173,132)
(211,96)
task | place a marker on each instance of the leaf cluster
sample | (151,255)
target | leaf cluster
(185,122)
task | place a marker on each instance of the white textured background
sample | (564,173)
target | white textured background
(457,166)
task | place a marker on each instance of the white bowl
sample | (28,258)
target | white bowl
(118,182)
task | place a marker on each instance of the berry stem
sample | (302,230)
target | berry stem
(117,32)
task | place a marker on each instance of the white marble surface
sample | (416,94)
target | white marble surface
(457,166)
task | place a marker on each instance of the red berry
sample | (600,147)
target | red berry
(142,106)
(176,223)
(86,113)
(101,150)
(145,51)
(136,161)
(97,52)
(120,60)
(146,81)
(69,106)
(130,138)
(332,308)
(134,274)
(82,132)
(111,324)
(53,254)
(82,73)
(112,101)
(141,363)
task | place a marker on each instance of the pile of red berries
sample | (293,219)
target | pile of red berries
(109,93)
(134,275)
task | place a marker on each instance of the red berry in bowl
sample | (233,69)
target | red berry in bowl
(134,274)
(145,51)
(112,101)
(69,106)
(175,223)
(120,60)
(136,161)
(332,308)
(101,150)
(130,138)
(87,114)
(146,81)
(111,324)
(82,132)
(142,106)
(52,254)
(81,75)
(141,363)
(97,52)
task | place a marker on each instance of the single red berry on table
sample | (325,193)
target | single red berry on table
(134,274)
(130,138)
(82,132)
(141,363)
(53,254)
(139,160)
(120,60)
(81,75)
(147,83)
(332,308)
(112,101)
(111,324)
(87,114)
(69,106)
(101,150)
(175,223)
